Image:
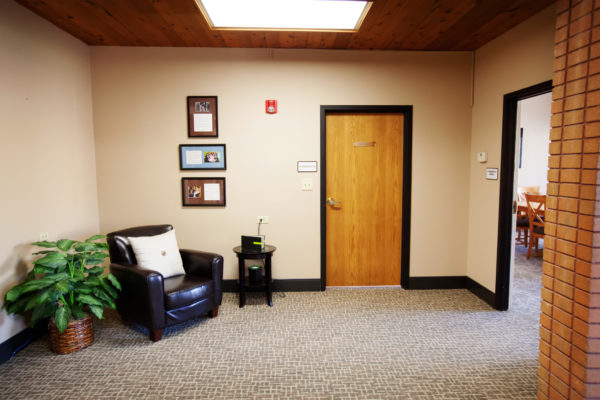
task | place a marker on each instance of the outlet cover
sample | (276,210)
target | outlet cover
(307,184)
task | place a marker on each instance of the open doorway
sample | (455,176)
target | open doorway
(531,177)
(508,206)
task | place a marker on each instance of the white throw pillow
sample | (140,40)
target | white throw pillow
(159,253)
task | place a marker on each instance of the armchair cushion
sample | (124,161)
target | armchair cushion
(183,290)
(159,253)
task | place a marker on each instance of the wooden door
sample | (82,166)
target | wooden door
(364,174)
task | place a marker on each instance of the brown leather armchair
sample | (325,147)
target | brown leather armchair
(155,302)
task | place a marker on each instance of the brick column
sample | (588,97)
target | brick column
(569,359)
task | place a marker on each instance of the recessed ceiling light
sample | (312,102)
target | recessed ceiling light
(320,15)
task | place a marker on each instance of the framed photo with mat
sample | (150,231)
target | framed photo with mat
(202,157)
(202,116)
(203,192)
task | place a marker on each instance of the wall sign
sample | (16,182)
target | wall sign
(307,166)
(491,174)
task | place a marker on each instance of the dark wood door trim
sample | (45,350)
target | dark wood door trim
(406,181)
(507,180)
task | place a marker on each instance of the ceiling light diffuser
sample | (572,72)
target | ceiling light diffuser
(320,15)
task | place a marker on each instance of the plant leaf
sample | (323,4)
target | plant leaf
(114,281)
(52,260)
(38,299)
(39,269)
(83,246)
(17,307)
(95,237)
(62,286)
(44,252)
(65,244)
(30,276)
(108,288)
(93,261)
(92,281)
(95,270)
(97,311)
(98,255)
(61,317)
(45,243)
(101,294)
(78,275)
(26,287)
(77,312)
(14,293)
(82,289)
(42,312)
(88,299)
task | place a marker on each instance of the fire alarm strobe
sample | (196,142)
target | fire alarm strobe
(271,106)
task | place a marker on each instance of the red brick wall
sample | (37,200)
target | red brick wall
(569,359)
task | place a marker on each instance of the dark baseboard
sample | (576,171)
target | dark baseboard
(453,282)
(281,285)
(437,282)
(18,342)
(230,285)
(297,285)
(481,292)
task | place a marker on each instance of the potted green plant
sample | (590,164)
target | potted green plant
(65,285)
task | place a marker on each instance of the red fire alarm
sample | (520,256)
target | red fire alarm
(271,106)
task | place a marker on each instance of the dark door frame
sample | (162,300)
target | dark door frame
(507,180)
(406,181)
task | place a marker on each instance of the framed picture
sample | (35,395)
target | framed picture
(202,156)
(199,192)
(202,116)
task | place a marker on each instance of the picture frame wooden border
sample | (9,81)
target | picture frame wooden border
(212,157)
(195,193)
(203,116)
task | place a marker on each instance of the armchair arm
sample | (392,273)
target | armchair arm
(205,264)
(142,296)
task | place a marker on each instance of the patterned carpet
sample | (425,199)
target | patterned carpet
(337,344)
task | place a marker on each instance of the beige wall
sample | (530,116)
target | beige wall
(139,97)
(47,165)
(520,58)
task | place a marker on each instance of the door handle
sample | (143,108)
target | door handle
(332,202)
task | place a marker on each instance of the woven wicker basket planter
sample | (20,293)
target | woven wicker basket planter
(78,335)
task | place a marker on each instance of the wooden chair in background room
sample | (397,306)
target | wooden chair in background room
(521,190)
(522,226)
(522,215)
(536,207)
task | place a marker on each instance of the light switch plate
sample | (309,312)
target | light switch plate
(307,184)
(482,156)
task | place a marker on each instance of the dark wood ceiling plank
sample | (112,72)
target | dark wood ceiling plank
(442,17)
(237,38)
(389,25)
(187,23)
(85,20)
(387,20)
(148,24)
(514,11)
(501,23)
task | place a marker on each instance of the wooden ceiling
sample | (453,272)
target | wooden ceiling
(389,25)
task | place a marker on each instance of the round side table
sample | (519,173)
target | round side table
(266,283)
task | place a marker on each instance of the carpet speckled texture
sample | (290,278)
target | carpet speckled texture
(337,344)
